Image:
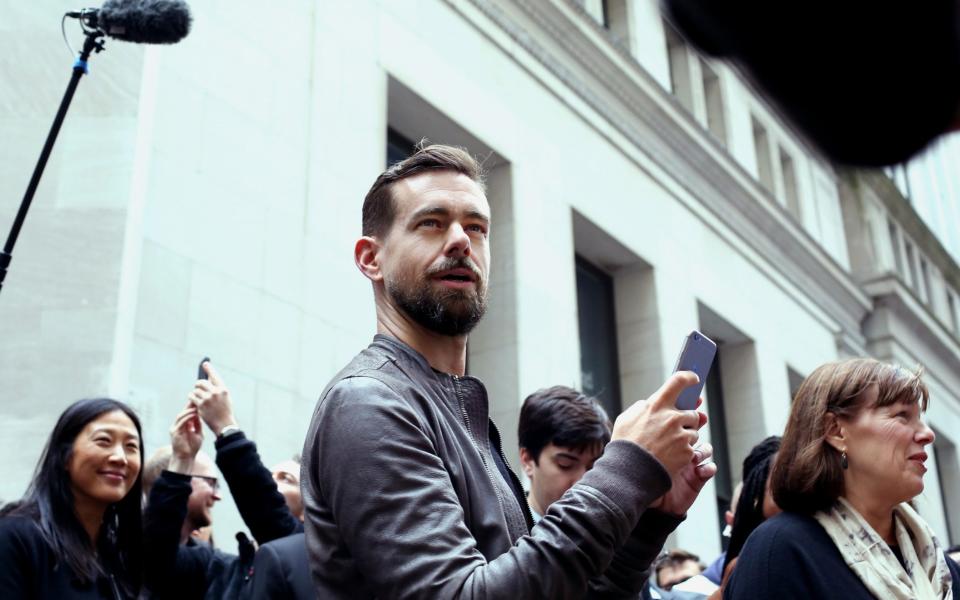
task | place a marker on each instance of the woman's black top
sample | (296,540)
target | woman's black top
(791,557)
(29,569)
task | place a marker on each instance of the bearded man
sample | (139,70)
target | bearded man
(406,488)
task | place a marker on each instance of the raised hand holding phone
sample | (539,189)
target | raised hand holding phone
(212,399)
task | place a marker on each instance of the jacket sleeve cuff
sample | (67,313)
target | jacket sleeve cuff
(629,476)
(226,441)
(175,479)
(658,525)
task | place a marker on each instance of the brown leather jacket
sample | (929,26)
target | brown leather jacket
(403,501)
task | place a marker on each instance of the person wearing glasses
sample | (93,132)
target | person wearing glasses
(184,490)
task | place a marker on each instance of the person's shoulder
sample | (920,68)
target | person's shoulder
(22,534)
(21,527)
(790,532)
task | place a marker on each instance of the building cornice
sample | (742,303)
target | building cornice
(889,292)
(650,120)
(906,216)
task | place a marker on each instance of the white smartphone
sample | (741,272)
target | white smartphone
(697,355)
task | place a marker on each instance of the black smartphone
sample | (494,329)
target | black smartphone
(201,374)
(697,356)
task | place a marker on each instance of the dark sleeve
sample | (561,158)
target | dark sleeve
(396,510)
(20,555)
(253,489)
(630,567)
(268,581)
(166,562)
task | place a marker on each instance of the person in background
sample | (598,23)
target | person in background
(204,492)
(178,565)
(678,575)
(714,572)
(561,433)
(851,460)
(77,531)
(755,504)
(281,569)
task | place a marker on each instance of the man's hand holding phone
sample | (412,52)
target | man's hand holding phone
(669,434)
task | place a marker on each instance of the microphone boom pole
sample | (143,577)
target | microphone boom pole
(91,44)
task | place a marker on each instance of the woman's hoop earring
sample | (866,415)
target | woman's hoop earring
(843,460)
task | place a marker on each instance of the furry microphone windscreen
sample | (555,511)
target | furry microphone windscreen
(145,21)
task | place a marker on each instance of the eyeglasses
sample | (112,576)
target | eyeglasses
(213,482)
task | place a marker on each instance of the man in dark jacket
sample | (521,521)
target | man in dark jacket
(406,488)
(281,571)
(193,569)
(280,568)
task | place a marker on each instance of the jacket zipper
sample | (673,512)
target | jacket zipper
(476,443)
(524,505)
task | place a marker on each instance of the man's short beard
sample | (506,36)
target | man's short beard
(450,312)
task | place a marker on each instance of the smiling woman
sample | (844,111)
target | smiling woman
(851,460)
(76,532)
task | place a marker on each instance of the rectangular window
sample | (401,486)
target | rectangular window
(925,281)
(761,145)
(795,379)
(599,364)
(678,54)
(912,266)
(718,437)
(945,455)
(713,95)
(895,246)
(791,194)
(954,315)
(398,147)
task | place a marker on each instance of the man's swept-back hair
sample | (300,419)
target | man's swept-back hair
(378,206)
(564,417)
(807,475)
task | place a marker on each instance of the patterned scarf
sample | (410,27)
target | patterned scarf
(923,574)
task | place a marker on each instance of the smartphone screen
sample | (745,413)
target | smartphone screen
(696,355)
(201,374)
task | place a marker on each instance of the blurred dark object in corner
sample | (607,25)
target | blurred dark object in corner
(870,83)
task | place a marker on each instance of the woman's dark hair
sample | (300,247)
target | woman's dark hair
(49,501)
(807,475)
(748,514)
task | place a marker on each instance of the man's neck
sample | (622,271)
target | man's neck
(185,530)
(445,353)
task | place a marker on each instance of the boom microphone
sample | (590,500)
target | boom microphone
(139,21)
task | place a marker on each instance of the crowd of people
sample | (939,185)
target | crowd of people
(407,492)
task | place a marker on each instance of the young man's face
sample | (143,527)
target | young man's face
(435,257)
(556,471)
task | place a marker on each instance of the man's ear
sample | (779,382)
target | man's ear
(366,255)
(526,460)
(834,433)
